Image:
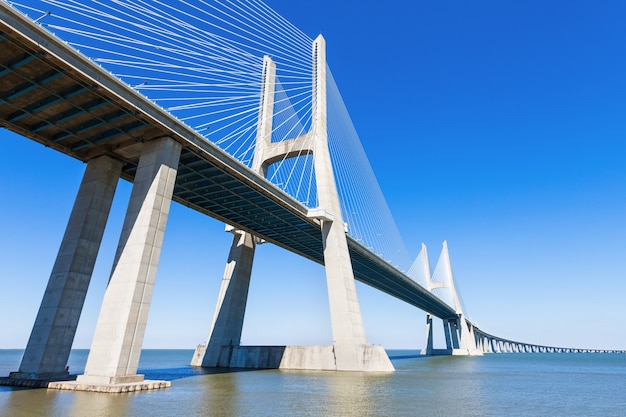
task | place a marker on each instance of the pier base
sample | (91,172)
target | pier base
(24,382)
(312,358)
(145,385)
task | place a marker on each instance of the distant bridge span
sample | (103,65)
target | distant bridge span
(488,343)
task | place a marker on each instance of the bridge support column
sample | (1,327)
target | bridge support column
(447,335)
(454,333)
(428,350)
(345,313)
(116,347)
(467,341)
(231,304)
(50,342)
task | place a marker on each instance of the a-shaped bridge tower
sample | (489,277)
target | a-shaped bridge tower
(458,331)
(349,350)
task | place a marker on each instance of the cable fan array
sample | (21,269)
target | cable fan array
(202,61)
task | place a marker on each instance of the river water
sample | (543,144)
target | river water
(527,384)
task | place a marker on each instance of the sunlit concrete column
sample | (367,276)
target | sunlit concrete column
(446,333)
(428,350)
(454,332)
(231,304)
(345,313)
(480,342)
(53,333)
(230,309)
(467,339)
(116,346)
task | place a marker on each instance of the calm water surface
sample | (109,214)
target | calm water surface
(492,385)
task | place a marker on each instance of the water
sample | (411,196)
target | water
(492,385)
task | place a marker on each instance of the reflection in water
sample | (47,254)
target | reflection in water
(220,395)
(355,393)
(95,404)
(26,403)
(287,393)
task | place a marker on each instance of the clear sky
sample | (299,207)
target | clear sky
(497,126)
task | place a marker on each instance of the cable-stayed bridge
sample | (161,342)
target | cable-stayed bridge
(232,111)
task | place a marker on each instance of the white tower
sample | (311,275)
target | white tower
(349,350)
(458,333)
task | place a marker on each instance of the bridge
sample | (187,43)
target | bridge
(56,96)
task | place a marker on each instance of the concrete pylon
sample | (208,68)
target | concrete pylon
(460,339)
(347,325)
(50,342)
(458,333)
(116,346)
(349,350)
(466,338)
(227,325)
(420,273)
(420,269)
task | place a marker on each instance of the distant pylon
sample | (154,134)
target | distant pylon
(459,334)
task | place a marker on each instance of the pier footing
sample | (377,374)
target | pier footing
(317,358)
(13,381)
(146,385)
(71,385)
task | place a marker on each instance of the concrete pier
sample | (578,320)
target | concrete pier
(114,355)
(50,342)
(231,304)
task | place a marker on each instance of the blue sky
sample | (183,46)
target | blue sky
(497,126)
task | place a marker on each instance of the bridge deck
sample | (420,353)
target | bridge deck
(54,95)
